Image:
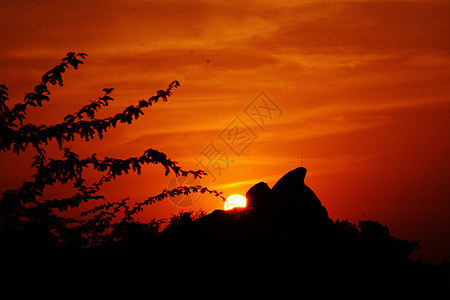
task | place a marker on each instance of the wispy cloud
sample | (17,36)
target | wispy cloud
(341,71)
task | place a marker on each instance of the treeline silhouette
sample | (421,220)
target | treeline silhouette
(195,255)
(282,245)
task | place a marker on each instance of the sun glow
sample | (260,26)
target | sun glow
(235,201)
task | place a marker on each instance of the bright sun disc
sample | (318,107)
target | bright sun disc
(235,201)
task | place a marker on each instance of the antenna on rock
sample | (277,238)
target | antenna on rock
(301,161)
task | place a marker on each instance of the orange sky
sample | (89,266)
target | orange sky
(361,90)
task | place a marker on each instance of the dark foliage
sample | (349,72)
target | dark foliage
(23,211)
(283,245)
(253,253)
(243,253)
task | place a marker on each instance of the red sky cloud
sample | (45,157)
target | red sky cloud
(362,86)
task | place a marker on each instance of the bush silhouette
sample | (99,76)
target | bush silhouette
(22,210)
(284,244)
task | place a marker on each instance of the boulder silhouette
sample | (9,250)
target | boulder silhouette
(291,194)
(281,241)
(289,207)
(259,197)
(290,198)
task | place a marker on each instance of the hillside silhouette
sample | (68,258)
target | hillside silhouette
(283,244)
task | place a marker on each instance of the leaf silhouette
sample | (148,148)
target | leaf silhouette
(22,206)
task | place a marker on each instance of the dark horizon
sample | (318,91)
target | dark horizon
(359,89)
(282,243)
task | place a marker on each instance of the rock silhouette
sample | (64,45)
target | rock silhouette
(290,207)
(282,245)
(259,197)
(289,197)
(284,241)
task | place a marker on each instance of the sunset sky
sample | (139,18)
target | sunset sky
(360,89)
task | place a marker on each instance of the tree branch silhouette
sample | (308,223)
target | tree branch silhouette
(23,205)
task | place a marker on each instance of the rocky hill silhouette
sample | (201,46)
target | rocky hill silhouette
(282,245)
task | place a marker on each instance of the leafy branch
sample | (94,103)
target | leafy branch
(73,124)
(24,206)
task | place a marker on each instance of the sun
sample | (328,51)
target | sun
(235,201)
